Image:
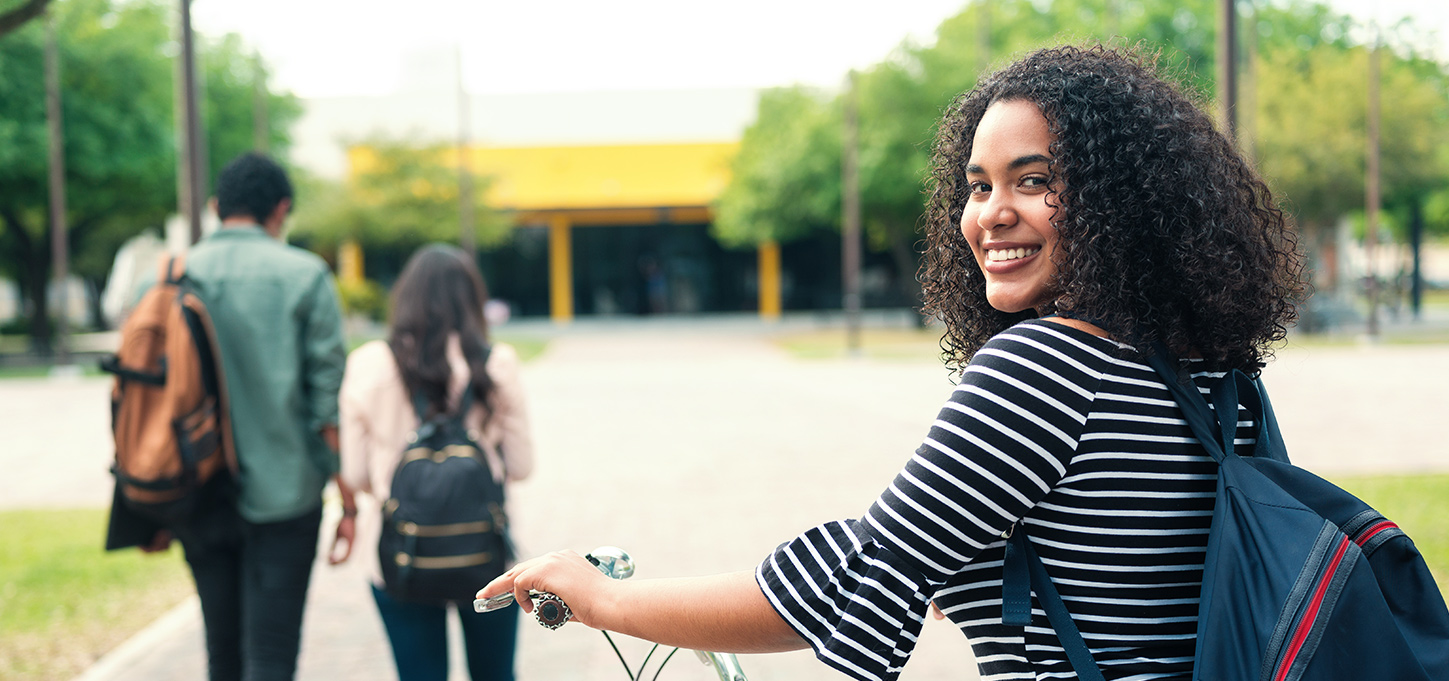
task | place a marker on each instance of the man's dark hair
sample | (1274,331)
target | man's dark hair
(251,186)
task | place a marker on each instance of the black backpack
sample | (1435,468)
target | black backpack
(1302,580)
(444,532)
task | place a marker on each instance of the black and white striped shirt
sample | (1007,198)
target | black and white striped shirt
(1075,437)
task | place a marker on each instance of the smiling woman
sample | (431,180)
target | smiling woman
(1072,184)
(1154,226)
(1008,221)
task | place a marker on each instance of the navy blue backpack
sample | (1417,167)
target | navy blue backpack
(1302,581)
(444,530)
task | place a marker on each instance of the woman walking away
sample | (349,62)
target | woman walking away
(436,359)
(1080,209)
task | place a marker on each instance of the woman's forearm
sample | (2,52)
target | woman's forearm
(721,613)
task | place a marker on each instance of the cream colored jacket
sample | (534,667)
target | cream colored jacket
(376,415)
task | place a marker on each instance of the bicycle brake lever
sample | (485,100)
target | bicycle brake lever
(495,603)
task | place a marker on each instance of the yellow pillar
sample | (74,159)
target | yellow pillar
(560,270)
(769,266)
(349,262)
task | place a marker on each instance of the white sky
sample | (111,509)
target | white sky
(327,47)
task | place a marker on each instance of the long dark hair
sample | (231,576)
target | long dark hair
(439,293)
(1165,231)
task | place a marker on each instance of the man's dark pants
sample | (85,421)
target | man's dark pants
(252,580)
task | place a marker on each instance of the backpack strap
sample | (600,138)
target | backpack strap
(1270,439)
(1195,411)
(1024,572)
(465,401)
(170,268)
(420,407)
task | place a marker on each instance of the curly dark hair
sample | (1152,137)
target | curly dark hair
(1164,231)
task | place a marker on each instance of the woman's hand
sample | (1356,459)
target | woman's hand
(159,542)
(563,573)
(343,537)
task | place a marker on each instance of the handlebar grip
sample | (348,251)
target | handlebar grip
(550,610)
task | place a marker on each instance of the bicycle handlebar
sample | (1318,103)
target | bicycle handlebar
(552,612)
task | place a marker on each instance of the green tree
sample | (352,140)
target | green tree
(15,14)
(120,154)
(1312,122)
(1306,120)
(786,178)
(399,195)
(229,73)
(786,175)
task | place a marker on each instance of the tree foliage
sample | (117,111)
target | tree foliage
(116,68)
(786,176)
(1304,118)
(399,195)
(1312,123)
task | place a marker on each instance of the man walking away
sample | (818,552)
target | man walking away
(275,311)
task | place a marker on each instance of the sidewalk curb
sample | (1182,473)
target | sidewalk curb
(123,656)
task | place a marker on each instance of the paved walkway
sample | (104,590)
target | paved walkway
(699,447)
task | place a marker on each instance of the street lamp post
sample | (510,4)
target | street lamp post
(59,251)
(850,221)
(1371,189)
(193,171)
(1228,67)
(466,237)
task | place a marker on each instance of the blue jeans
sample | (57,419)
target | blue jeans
(252,580)
(419,638)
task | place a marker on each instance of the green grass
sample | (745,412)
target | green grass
(887,344)
(1436,298)
(528,347)
(88,368)
(64,601)
(1420,505)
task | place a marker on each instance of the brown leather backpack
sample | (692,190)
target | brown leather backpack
(169,412)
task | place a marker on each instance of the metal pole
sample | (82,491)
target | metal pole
(466,237)
(261,133)
(850,223)
(1416,245)
(1228,67)
(194,173)
(983,37)
(1371,199)
(1247,116)
(59,253)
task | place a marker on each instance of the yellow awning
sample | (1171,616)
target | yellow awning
(604,177)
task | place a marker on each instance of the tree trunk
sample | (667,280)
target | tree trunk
(33,276)
(42,335)
(903,254)
(94,288)
(1324,265)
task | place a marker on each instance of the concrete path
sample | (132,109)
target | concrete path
(699,447)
